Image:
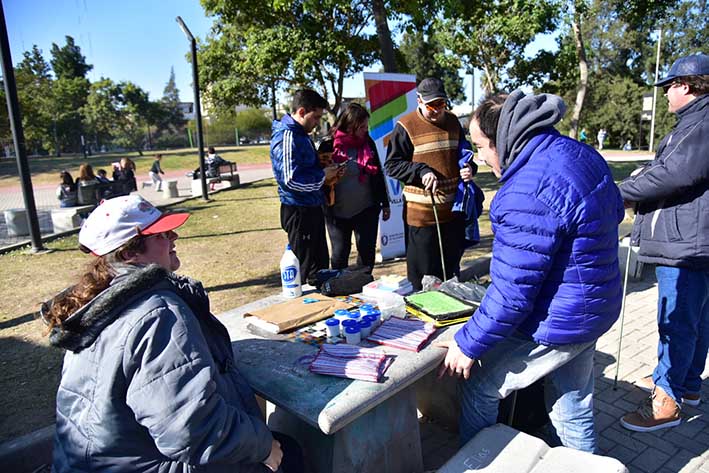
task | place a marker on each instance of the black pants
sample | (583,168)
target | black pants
(364,225)
(423,255)
(306,235)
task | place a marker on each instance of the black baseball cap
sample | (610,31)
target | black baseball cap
(431,89)
(694,65)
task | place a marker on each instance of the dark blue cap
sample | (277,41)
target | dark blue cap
(694,65)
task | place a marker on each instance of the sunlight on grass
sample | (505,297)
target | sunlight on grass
(46,169)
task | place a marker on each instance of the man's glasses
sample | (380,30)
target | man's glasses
(666,88)
(436,106)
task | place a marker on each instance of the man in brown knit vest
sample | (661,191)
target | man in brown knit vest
(423,153)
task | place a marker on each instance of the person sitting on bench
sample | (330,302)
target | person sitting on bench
(213,161)
(149,380)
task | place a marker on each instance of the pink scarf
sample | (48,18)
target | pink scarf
(365,158)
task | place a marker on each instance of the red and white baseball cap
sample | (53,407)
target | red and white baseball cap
(117,220)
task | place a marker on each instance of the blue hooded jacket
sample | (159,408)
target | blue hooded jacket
(554,268)
(295,165)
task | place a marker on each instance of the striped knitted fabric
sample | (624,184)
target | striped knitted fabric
(406,334)
(349,361)
(437,146)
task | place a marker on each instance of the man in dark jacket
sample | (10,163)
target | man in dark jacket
(671,196)
(555,278)
(423,153)
(300,180)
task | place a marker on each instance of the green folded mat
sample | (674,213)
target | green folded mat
(439,305)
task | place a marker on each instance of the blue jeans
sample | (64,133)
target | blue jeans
(515,363)
(683,325)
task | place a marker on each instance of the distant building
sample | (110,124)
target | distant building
(187,110)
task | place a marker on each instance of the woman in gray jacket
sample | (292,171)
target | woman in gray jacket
(149,382)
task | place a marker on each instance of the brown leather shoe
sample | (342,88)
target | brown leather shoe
(658,412)
(647,385)
(691,399)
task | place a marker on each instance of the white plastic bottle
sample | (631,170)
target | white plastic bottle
(290,274)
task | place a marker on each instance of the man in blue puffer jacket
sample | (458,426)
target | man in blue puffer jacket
(300,179)
(555,279)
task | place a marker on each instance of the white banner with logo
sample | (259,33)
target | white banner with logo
(389,97)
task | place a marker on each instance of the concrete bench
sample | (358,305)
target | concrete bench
(225,181)
(68,218)
(502,449)
(16,222)
(169,189)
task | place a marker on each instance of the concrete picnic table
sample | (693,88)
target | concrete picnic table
(343,425)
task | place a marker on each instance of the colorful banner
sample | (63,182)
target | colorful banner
(389,97)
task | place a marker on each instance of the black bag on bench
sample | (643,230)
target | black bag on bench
(346,283)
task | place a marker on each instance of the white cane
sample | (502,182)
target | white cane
(622,312)
(440,239)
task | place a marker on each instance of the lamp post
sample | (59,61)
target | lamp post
(197,108)
(654,91)
(18,136)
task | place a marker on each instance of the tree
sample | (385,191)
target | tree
(424,57)
(135,112)
(5,131)
(255,46)
(71,88)
(34,91)
(386,45)
(493,35)
(102,112)
(252,122)
(68,62)
(167,114)
(612,42)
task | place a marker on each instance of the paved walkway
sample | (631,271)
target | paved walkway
(681,449)
(45,198)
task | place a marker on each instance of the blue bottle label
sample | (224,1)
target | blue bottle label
(288,274)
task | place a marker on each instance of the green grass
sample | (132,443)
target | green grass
(45,169)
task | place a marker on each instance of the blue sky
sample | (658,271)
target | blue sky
(135,40)
(124,40)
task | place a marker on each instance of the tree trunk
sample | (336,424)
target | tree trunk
(583,75)
(384,36)
(57,147)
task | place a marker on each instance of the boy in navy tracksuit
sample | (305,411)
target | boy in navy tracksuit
(300,180)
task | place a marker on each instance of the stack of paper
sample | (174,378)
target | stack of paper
(387,285)
(393,282)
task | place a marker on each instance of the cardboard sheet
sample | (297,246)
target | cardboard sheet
(296,313)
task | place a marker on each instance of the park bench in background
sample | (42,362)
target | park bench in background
(228,177)
(169,189)
(69,218)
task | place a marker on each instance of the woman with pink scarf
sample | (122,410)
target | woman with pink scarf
(356,198)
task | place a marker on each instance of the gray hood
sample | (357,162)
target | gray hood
(522,117)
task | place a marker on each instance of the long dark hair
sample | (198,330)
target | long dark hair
(67,180)
(351,116)
(96,278)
